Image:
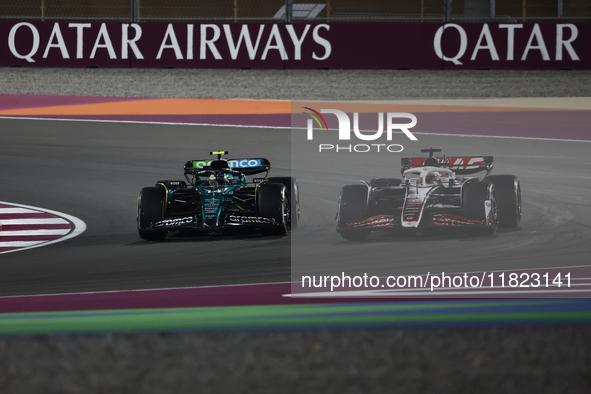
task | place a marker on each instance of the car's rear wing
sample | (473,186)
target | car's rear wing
(460,165)
(245,166)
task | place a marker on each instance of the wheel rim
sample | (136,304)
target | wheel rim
(494,209)
(518,193)
(285,212)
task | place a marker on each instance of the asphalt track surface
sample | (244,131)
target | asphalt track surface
(94,170)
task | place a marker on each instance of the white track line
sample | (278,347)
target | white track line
(435,294)
(22,245)
(8,222)
(78,226)
(142,290)
(157,123)
(16,233)
(286,128)
(14,210)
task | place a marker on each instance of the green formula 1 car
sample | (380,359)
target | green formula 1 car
(216,198)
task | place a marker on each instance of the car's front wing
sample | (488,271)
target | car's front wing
(227,221)
(383,222)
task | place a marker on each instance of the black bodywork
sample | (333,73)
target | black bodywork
(217,197)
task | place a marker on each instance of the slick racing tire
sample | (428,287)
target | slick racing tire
(474,196)
(150,210)
(509,199)
(293,195)
(352,209)
(273,203)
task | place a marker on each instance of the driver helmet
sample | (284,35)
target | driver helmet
(212,181)
(229,178)
(432,178)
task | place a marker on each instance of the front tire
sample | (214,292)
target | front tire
(475,195)
(272,203)
(293,195)
(352,209)
(508,191)
(151,210)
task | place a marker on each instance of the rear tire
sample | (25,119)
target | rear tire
(272,203)
(474,196)
(151,210)
(508,192)
(352,209)
(293,195)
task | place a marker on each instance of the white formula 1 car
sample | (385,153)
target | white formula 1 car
(429,195)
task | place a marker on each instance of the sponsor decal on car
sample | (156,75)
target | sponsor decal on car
(412,211)
(444,219)
(250,219)
(175,222)
(211,206)
(453,163)
(213,203)
(375,221)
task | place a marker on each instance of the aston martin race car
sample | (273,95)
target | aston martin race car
(216,197)
(431,195)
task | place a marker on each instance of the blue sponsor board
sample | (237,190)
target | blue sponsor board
(234,163)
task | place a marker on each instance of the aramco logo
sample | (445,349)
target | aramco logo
(346,134)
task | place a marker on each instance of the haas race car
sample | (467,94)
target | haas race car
(430,195)
(216,197)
